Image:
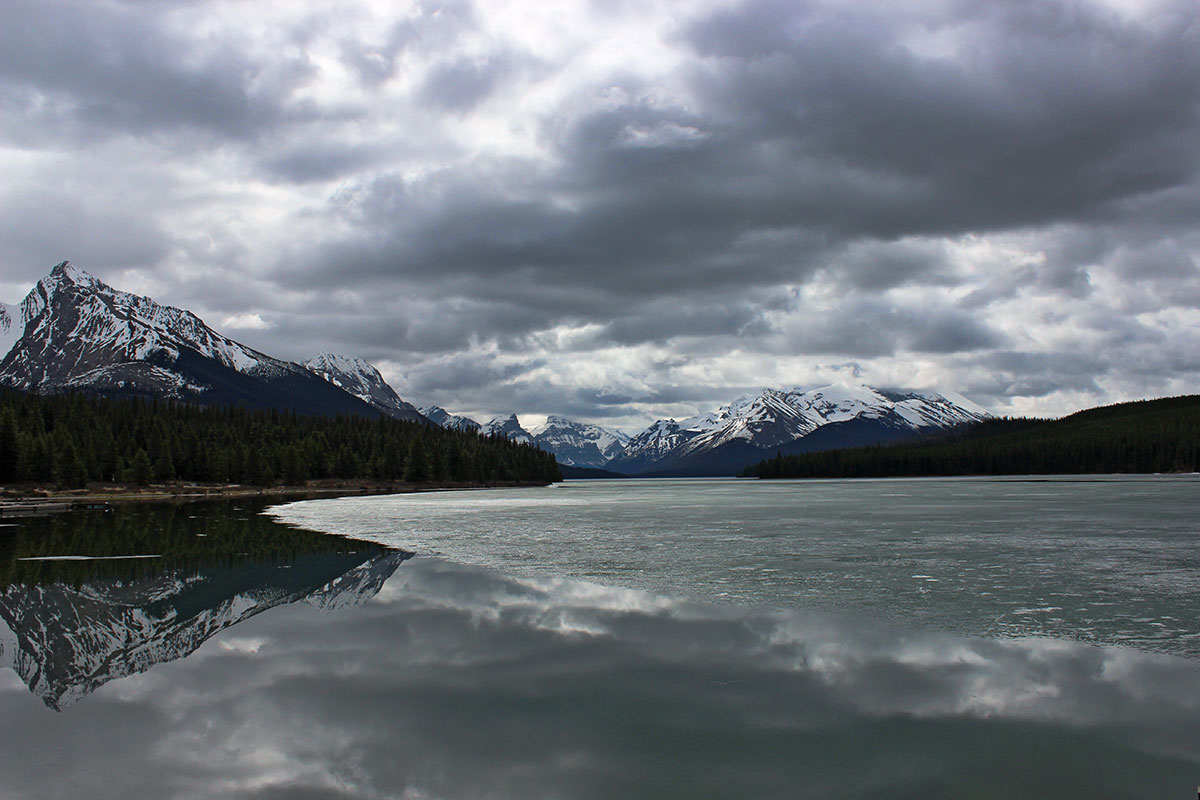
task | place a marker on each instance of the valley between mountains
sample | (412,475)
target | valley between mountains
(74,333)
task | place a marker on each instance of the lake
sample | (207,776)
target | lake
(901,638)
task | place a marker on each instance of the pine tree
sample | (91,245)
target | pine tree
(10,452)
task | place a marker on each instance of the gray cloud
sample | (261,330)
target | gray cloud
(85,69)
(460,84)
(939,182)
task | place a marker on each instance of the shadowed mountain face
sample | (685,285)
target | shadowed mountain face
(73,332)
(88,597)
(362,380)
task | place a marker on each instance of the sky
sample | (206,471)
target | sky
(621,211)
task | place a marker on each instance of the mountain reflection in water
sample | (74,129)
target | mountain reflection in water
(461,682)
(68,626)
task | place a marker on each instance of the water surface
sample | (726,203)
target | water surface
(253,660)
(1096,559)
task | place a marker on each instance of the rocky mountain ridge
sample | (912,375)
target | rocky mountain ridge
(790,420)
(746,430)
(361,379)
(73,332)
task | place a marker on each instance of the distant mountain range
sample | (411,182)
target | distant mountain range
(1145,436)
(743,432)
(73,332)
(791,421)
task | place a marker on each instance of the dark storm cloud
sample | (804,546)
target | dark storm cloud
(1017,373)
(810,131)
(886,265)
(467,371)
(1048,110)
(879,160)
(670,321)
(864,327)
(88,68)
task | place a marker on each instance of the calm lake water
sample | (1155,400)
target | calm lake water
(1105,560)
(692,639)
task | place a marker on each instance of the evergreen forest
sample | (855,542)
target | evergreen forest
(72,440)
(1146,436)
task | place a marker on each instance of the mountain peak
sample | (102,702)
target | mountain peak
(579,444)
(508,426)
(444,418)
(66,272)
(73,332)
(783,418)
(361,379)
(336,360)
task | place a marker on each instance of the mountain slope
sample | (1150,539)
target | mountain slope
(442,417)
(1147,436)
(78,333)
(362,380)
(579,444)
(509,427)
(839,415)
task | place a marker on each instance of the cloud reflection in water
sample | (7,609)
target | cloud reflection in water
(458,681)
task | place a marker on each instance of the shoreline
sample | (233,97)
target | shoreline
(45,500)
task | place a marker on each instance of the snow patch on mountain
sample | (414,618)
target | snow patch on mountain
(71,322)
(507,426)
(363,380)
(777,417)
(579,444)
(455,422)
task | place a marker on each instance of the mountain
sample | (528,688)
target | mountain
(442,417)
(509,427)
(579,444)
(790,420)
(362,380)
(65,640)
(1146,436)
(78,333)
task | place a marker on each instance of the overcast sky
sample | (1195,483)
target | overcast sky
(621,210)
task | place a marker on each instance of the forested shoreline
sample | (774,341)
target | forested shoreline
(69,441)
(1146,436)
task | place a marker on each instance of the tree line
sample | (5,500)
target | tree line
(1146,436)
(73,440)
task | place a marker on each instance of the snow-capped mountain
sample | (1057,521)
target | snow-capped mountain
(362,380)
(442,417)
(66,640)
(791,420)
(508,426)
(76,332)
(579,444)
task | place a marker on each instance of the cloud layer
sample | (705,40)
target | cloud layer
(638,210)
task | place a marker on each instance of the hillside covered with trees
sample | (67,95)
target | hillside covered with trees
(1146,436)
(72,440)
